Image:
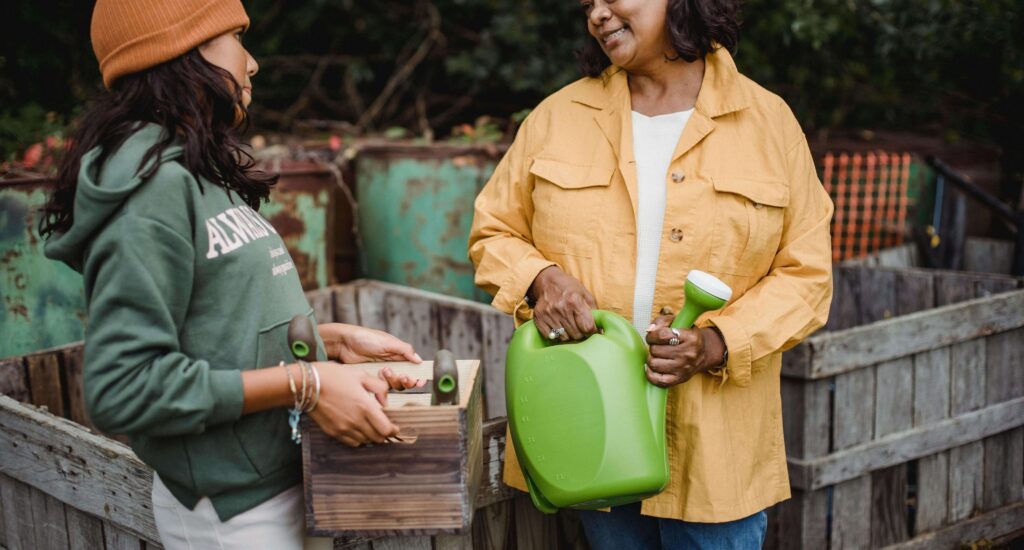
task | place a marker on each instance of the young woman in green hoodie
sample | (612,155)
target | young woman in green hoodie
(190,291)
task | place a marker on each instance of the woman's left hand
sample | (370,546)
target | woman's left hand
(354,344)
(698,350)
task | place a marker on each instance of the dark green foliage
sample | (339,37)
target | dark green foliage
(937,66)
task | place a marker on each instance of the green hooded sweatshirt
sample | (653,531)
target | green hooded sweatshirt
(186,287)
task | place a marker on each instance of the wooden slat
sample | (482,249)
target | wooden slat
(844,311)
(851,514)
(1004,355)
(492,488)
(492,527)
(533,529)
(13,380)
(838,352)
(49,519)
(72,360)
(370,305)
(932,492)
(889,506)
(44,381)
(915,291)
(803,520)
(90,472)
(1003,472)
(878,295)
(966,482)
(1004,520)
(85,532)
(931,386)
(953,287)
(346,306)
(322,301)
(967,376)
(461,331)
(497,332)
(415,322)
(453,542)
(402,543)
(119,539)
(909,445)
(19,530)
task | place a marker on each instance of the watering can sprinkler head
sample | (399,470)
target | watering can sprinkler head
(704,292)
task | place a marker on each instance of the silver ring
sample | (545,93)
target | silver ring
(674,341)
(555,334)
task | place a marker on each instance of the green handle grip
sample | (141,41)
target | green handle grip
(704,293)
(446,379)
(302,338)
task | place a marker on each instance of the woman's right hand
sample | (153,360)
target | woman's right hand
(562,302)
(346,410)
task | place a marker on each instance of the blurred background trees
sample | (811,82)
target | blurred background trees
(939,67)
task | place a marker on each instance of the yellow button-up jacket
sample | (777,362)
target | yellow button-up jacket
(743,202)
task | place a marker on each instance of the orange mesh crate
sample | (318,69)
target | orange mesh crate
(870,195)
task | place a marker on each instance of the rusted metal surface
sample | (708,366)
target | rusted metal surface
(43,301)
(302,209)
(415,210)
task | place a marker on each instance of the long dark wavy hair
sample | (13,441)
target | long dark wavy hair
(695,27)
(198,104)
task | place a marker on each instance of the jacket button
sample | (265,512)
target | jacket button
(758,205)
(667,310)
(676,235)
(678,177)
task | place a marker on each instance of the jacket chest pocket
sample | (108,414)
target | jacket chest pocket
(566,199)
(749,218)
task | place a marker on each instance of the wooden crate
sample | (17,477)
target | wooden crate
(905,421)
(425,486)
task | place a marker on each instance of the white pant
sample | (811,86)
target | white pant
(275,524)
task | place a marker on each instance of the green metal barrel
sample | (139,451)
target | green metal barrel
(415,211)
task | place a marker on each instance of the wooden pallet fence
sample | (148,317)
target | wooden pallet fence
(905,422)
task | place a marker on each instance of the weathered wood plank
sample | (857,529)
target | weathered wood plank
(18,521)
(851,514)
(853,418)
(44,382)
(878,295)
(49,519)
(893,411)
(370,305)
(1004,355)
(533,529)
(492,527)
(13,380)
(844,311)
(953,287)
(966,481)
(402,543)
(967,373)
(88,471)
(497,332)
(346,304)
(915,291)
(986,526)
(803,520)
(415,322)
(1003,473)
(322,301)
(889,506)
(838,352)
(805,415)
(492,488)
(932,492)
(119,539)
(931,386)
(453,542)
(988,255)
(901,447)
(85,532)
(461,331)
(73,362)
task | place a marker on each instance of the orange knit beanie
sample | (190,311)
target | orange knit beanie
(132,35)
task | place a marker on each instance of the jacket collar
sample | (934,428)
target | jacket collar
(721,92)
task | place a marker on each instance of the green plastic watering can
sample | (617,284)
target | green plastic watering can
(587,426)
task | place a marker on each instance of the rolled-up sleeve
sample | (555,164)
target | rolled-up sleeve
(500,241)
(792,300)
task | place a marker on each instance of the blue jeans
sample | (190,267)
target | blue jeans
(625,529)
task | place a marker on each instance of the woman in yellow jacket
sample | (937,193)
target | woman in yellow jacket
(662,159)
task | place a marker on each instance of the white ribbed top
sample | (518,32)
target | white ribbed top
(654,141)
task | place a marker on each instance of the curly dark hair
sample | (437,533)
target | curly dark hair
(197,103)
(695,28)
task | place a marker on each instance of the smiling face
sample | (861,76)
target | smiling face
(226,51)
(630,32)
